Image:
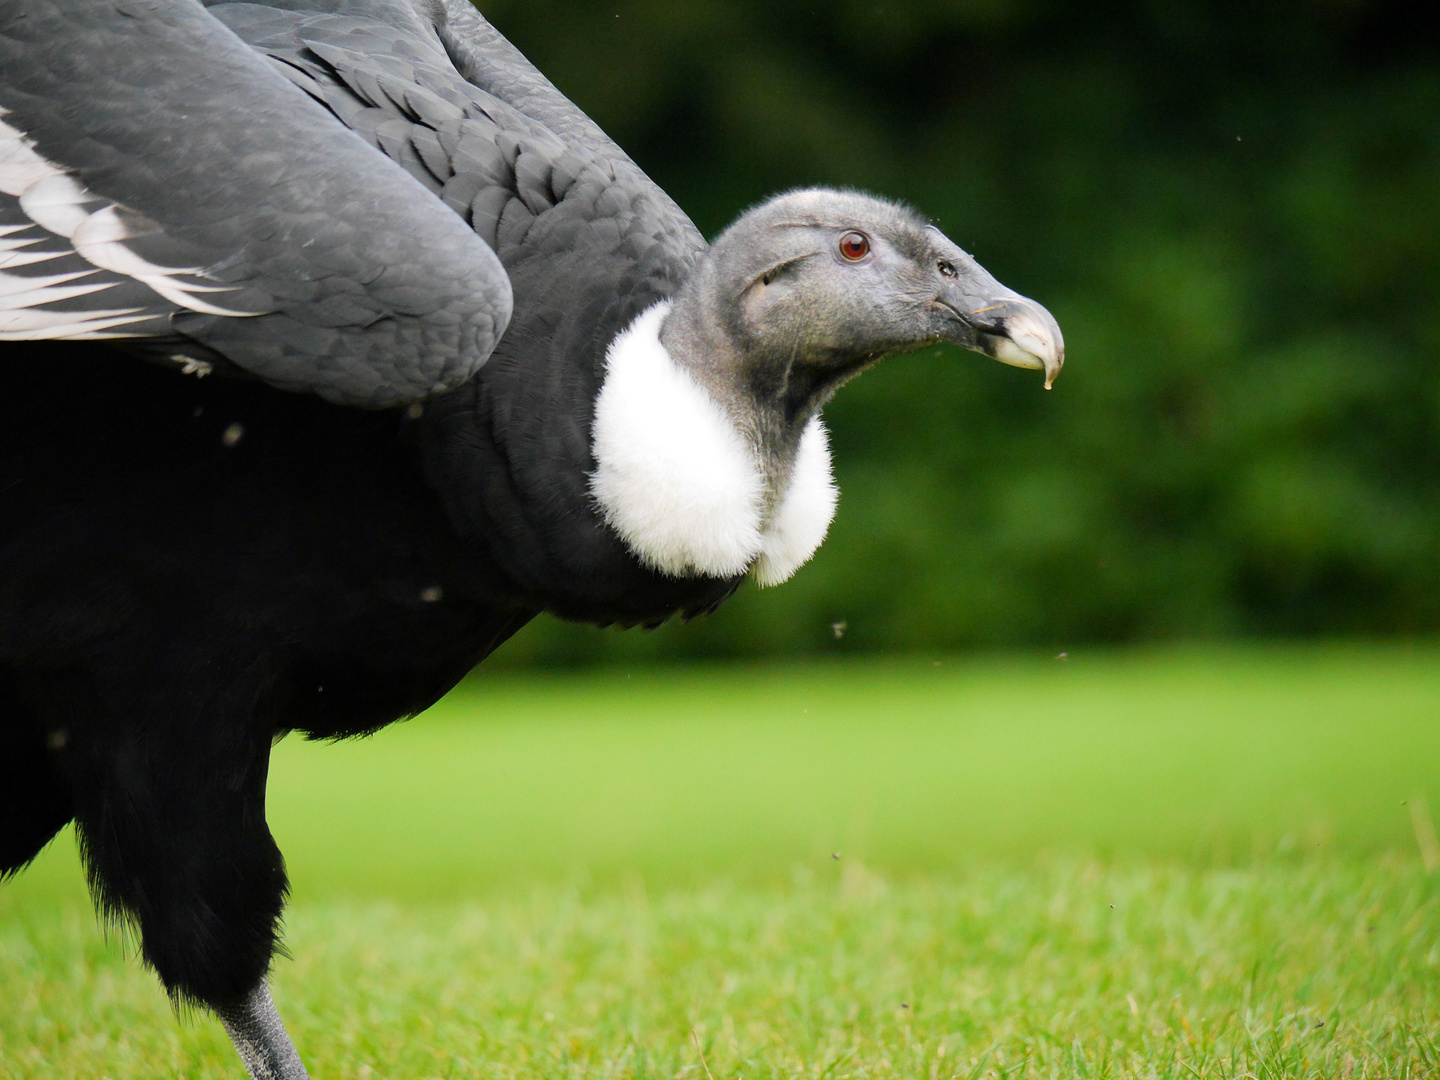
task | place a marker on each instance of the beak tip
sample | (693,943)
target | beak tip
(1053,363)
(1029,337)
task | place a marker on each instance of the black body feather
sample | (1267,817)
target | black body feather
(191,567)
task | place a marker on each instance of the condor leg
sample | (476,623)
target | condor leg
(171,819)
(260,1038)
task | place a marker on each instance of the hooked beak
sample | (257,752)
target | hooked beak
(1023,334)
(985,316)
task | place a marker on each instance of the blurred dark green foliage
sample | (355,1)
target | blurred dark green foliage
(1234,211)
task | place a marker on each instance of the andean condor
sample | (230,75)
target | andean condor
(466,363)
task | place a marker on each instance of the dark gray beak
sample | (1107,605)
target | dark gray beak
(999,322)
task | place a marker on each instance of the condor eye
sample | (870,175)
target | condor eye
(947,268)
(854,246)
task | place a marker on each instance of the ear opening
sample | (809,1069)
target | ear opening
(769,275)
(757,294)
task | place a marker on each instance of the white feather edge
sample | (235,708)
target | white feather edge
(681,486)
(58,203)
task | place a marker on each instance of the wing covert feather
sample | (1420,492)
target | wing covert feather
(198,193)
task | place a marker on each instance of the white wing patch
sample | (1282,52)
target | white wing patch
(19,291)
(679,483)
(20,166)
(66,220)
(100,239)
(58,203)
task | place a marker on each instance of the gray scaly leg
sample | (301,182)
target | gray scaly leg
(260,1039)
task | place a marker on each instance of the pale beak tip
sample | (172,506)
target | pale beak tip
(1053,361)
(1031,339)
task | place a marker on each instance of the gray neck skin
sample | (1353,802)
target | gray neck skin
(769,397)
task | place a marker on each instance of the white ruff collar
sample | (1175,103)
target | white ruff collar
(682,487)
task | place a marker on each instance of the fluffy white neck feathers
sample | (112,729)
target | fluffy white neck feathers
(682,487)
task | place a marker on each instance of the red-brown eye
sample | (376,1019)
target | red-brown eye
(854,246)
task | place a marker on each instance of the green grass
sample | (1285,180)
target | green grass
(1175,864)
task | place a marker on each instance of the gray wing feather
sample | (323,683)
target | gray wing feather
(535,178)
(223,205)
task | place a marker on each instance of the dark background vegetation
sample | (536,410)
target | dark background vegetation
(1232,208)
